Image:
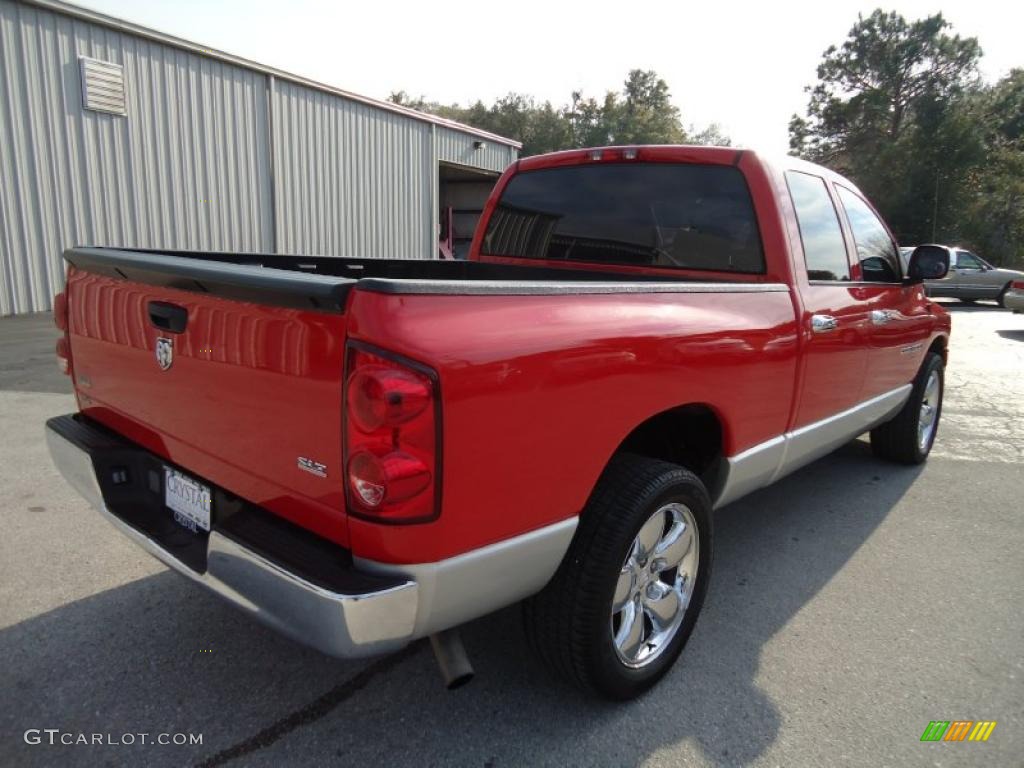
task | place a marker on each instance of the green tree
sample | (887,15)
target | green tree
(420,103)
(643,113)
(646,114)
(594,123)
(870,88)
(894,109)
(711,136)
(993,217)
(1004,107)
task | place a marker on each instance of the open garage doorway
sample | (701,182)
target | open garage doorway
(462,193)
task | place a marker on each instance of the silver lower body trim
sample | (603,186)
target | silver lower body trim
(765,463)
(454,591)
(432,597)
(343,625)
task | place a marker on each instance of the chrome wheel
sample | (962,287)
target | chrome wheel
(655,585)
(928,418)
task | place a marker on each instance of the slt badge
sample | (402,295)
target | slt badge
(164,352)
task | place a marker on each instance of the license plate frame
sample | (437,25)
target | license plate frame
(190,501)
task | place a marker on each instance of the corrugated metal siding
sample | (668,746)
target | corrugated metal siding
(455,147)
(189,166)
(185,168)
(351,180)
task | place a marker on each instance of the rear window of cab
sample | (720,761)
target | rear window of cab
(630,214)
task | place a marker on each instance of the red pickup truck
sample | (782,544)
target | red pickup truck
(362,452)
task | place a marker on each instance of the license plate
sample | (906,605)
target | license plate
(189,499)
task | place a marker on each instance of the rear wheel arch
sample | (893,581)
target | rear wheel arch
(692,436)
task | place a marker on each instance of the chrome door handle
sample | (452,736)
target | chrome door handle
(883,316)
(823,323)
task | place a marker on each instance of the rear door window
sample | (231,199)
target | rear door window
(820,232)
(631,214)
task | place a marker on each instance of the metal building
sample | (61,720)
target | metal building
(114,134)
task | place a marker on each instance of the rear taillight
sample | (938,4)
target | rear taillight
(60,311)
(1018,285)
(64,355)
(380,396)
(392,446)
(60,319)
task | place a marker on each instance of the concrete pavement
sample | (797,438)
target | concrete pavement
(851,604)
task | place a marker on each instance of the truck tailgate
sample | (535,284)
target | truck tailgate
(237,381)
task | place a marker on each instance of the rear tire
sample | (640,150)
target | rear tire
(605,622)
(908,437)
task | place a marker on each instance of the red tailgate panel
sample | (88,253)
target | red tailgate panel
(250,390)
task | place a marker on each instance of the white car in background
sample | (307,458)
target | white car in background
(970,278)
(1014,298)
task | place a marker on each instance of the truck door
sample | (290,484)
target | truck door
(835,320)
(900,320)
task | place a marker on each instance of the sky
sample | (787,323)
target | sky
(743,65)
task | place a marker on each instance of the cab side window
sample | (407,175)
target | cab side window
(822,237)
(876,251)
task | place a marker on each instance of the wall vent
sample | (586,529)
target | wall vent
(102,86)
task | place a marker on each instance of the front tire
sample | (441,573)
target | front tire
(908,437)
(625,599)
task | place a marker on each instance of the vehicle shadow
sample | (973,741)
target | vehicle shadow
(1012,335)
(156,655)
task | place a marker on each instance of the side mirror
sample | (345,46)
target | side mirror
(928,262)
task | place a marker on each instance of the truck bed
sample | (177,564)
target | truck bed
(252,402)
(323,283)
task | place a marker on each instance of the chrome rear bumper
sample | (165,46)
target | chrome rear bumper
(365,621)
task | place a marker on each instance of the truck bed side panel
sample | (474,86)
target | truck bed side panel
(539,391)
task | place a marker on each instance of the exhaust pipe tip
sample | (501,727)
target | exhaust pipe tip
(451,658)
(460,681)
